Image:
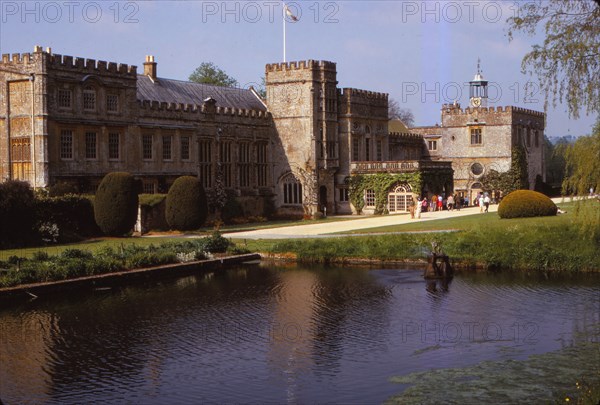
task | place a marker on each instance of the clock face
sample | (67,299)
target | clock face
(476,101)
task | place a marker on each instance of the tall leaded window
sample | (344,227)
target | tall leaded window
(355,148)
(167,143)
(185,148)
(292,190)
(226,163)
(66,144)
(64,98)
(244,164)
(113,146)
(261,164)
(112,103)
(536,137)
(432,145)
(475,136)
(147,146)
(379,151)
(90,145)
(89,99)
(368,149)
(369,198)
(344,194)
(205,163)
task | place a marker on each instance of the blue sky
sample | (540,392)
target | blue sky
(421,53)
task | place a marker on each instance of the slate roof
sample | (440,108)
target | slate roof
(177,91)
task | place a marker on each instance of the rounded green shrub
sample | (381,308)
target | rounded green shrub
(526,203)
(116,204)
(186,206)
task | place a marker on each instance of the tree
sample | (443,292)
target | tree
(568,63)
(403,114)
(209,73)
(583,164)
(116,204)
(16,213)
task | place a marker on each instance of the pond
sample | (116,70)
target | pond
(293,334)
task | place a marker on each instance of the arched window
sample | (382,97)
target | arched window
(399,198)
(292,190)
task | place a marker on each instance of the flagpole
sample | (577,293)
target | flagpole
(283,15)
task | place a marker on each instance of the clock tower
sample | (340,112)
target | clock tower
(478,91)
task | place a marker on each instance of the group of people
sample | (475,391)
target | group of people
(437,203)
(450,203)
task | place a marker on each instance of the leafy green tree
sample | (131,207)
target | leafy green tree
(555,162)
(566,64)
(209,73)
(583,164)
(16,213)
(582,174)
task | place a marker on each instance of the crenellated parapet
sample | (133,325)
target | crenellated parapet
(357,94)
(406,136)
(18,59)
(300,65)
(451,109)
(91,66)
(156,106)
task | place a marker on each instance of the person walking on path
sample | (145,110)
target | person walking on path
(450,202)
(480,200)
(486,202)
(440,204)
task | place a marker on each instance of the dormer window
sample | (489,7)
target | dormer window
(89,99)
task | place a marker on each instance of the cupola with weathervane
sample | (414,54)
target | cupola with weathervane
(478,91)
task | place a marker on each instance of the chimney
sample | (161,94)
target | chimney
(150,67)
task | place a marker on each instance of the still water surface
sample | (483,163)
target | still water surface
(267,334)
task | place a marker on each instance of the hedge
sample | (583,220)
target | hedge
(116,204)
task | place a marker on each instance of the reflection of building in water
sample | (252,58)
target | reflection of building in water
(291,332)
(25,347)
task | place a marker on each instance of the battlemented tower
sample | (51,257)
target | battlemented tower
(302,98)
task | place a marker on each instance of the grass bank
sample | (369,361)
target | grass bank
(549,244)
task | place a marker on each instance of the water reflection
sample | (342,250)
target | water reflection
(268,334)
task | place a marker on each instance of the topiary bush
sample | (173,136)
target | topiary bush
(116,204)
(526,203)
(186,206)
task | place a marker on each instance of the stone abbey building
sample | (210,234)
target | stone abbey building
(70,119)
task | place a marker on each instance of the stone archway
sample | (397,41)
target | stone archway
(399,199)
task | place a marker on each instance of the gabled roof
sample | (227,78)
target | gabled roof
(177,91)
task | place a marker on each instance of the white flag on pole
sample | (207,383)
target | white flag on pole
(289,13)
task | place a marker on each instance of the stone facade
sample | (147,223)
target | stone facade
(479,139)
(66,119)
